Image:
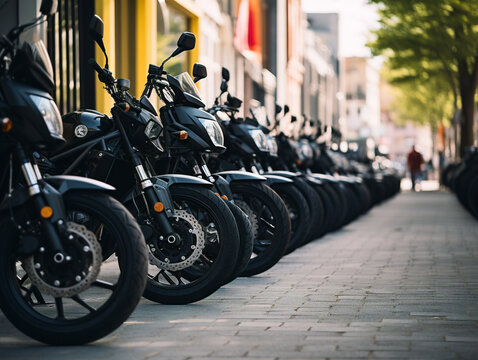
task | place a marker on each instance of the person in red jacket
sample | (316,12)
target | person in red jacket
(415,163)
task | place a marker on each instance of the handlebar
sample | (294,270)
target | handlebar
(104,75)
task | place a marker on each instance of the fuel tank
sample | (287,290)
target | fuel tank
(84,125)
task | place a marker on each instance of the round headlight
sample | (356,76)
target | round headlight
(214,131)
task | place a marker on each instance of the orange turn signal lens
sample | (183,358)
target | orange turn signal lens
(46,212)
(183,135)
(224,197)
(158,207)
(218,194)
(6,124)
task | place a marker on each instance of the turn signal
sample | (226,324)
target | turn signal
(46,212)
(218,194)
(6,124)
(124,106)
(224,197)
(158,207)
(183,135)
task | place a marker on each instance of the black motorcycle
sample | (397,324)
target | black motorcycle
(191,234)
(246,146)
(70,272)
(265,210)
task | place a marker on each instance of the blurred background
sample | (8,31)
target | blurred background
(377,76)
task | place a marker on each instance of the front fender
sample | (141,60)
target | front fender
(65,183)
(284,173)
(238,175)
(275,179)
(173,179)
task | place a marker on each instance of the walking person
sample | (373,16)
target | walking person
(415,162)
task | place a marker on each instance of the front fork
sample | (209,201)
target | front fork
(152,198)
(220,185)
(49,213)
(154,203)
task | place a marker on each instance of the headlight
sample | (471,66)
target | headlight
(50,114)
(272,145)
(153,130)
(214,131)
(259,138)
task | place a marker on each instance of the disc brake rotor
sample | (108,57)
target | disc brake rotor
(187,254)
(251,215)
(52,280)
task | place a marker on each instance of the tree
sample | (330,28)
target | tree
(433,39)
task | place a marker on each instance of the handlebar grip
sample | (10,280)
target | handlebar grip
(95,65)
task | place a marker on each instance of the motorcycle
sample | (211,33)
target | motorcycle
(191,234)
(247,146)
(182,113)
(70,272)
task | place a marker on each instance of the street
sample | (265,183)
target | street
(399,282)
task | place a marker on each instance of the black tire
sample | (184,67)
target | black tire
(299,213)
(246,238)
(260,197)
(316,208)
(118,226)
(336,192)
(196,282)
(329,211)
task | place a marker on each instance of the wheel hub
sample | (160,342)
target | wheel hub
(76,273)
(179,255)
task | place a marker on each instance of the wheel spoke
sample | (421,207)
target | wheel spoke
(104,285)
(269,225)
(59,308)
(38,295)
(167,277)
(80,301)
(23,279)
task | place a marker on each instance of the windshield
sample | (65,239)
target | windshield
(187,84)
(260,114)
(41,57)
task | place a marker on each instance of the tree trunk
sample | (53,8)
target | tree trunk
(467,128)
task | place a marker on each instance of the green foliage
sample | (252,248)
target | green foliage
(431,51)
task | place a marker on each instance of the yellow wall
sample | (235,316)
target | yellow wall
(130,36)
(106,10)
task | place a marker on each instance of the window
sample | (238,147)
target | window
(178,23)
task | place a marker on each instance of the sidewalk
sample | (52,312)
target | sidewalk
(400,282)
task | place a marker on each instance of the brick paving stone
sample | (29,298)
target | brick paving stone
(401,282)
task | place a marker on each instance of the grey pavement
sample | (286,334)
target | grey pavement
(400,282)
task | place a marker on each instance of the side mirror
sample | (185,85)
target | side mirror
(48,7)
(199,72)
(187,41)
(225,74)
(286,109)
(278,109)
(96,29)
(224,86)
(293,119)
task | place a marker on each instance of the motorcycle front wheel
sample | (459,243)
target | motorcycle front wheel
(57,315)
(207,256)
